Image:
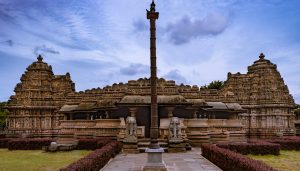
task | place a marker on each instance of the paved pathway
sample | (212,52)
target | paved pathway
(189,161)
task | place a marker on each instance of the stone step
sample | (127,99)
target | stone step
(148,140)
(142,149)
(67,141)
(146,144)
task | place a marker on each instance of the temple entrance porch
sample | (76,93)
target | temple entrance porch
(182,122)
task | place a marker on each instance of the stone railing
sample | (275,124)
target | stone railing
(196,122)
(201,131)
(96,128)
(77,123)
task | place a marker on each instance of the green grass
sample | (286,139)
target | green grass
(37,160)
(286,161)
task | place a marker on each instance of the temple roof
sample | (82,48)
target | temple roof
(217,105)
(197,102)
(68,108)
(170,99)
(225,106)
(104,104)
(234,106)
(85,106)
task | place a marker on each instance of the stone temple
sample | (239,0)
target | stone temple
(255,104)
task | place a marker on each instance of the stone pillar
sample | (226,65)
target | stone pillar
(152,15)
(133,111)
(195,113)
(106,114)
(170,111)
(154,151)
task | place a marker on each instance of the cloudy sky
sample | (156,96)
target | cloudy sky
(106,41)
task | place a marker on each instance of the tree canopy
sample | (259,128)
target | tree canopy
(3,115)
(214,85)
(297,111)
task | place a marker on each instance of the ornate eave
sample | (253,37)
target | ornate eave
(161,99)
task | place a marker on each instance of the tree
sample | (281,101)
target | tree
(297,112)
(214,85)
(3,115)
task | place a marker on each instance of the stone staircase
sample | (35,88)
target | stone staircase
(144,143)
(64,142)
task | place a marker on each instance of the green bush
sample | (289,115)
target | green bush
(3,115)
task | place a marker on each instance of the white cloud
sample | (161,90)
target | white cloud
(103,33)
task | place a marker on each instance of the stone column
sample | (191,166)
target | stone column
(152,15)
(133,111)
(195,114)
(106,114)
(154,151)
(170,111)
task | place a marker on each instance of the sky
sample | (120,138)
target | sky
(107,41)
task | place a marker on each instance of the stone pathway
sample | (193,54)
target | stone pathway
(189,161)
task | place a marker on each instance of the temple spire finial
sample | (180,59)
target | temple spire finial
(262,56)
(152,8)
(40,58)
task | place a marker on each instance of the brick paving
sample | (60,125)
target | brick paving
(189,161)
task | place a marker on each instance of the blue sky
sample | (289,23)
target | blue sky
(106,41)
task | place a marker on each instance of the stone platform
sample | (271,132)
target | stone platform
(189,161)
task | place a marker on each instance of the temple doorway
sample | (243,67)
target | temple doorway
(143,119)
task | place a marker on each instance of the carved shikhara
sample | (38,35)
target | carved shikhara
(43,100)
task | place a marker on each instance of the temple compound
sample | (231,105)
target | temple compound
(256,104)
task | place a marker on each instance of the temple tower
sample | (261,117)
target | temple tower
(33,108)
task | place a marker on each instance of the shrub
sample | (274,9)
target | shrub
(28,144)
(230,161)
(287,144)
(258,148)
(103,141)
(97,159)
(87,144)
(2,136)
(92,144)
(292,138)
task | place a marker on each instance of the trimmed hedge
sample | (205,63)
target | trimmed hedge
(230,161)
(287,144)
(38,143)
(259,148)
(92,144)
(28,144)
(97,159)
(87,144)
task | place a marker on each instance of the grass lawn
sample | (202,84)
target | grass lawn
(37,160)
(286,161)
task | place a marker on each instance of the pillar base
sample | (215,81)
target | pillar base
(155,162)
